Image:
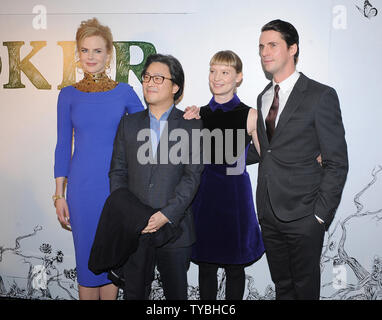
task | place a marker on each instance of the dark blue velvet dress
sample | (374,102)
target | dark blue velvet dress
(227,230)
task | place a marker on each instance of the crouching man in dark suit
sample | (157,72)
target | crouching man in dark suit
(144,161)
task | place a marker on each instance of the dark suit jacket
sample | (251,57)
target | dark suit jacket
(122,219)
(309,125)
(170,187)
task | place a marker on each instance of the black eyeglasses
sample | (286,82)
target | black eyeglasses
(156,78)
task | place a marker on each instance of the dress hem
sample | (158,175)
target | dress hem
(248,262)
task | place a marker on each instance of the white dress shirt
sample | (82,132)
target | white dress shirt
(286,88)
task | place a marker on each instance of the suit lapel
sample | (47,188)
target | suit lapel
(260,123)
(293,102)
(145,125)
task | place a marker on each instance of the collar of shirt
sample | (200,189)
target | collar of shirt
(288,84)
(286,88)
(157,126)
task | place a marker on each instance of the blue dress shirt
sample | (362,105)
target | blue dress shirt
(156,127)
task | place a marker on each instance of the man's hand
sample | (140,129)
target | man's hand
(319,160)
(191,113)
(156,221)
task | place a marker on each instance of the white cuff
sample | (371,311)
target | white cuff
(319,219)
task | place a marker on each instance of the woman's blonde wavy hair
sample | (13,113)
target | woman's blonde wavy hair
(92,27)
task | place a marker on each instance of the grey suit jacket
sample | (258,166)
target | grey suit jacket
(309,125)
(167,187)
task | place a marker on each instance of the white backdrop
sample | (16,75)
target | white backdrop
(340,45)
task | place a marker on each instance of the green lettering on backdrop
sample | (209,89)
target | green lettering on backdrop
(15,66)
(123,65)
(69,65)
(122,49)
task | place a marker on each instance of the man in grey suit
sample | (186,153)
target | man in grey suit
(157,180)
(298,119)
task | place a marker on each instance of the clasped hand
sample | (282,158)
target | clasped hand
(156,221)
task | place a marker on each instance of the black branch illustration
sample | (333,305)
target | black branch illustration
(369,284)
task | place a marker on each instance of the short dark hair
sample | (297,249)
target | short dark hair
(176,70)
(288,33)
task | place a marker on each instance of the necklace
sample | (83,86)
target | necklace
(96,77)
(98,82)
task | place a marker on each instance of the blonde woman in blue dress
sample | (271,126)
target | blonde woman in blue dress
(91,109)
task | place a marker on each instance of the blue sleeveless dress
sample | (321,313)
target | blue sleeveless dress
(94,117)
(227,230)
